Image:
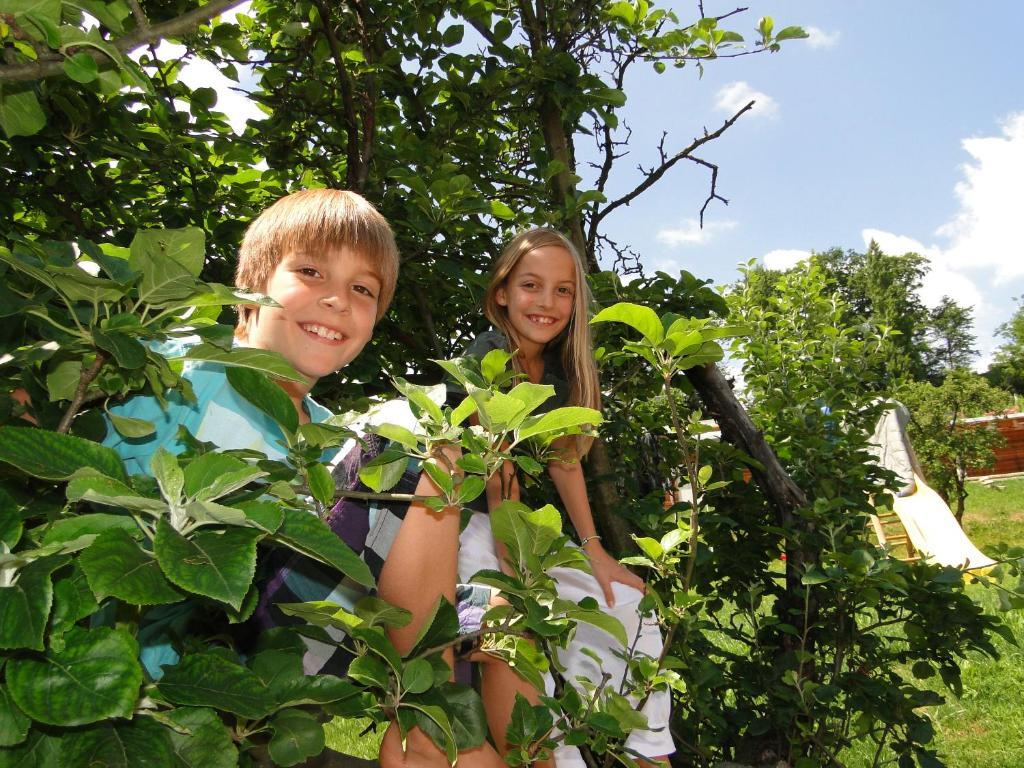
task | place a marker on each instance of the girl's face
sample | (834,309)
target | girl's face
(539,295)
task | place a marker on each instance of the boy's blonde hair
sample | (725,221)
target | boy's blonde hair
(316,220)
(574,345)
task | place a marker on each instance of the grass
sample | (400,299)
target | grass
(983,727)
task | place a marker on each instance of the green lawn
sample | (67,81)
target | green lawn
(984,727)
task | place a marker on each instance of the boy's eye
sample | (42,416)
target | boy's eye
(308,271)
(365,291)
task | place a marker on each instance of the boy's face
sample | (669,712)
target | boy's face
(328,309)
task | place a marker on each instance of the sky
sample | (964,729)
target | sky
(901,122)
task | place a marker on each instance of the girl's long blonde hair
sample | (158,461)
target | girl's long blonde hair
(574,344)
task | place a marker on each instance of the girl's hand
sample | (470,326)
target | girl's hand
(607,570)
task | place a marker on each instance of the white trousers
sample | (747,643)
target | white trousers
(477,553)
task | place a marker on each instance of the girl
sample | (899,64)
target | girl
(538,302)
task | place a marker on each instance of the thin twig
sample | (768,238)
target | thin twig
(53,64)
(83,386)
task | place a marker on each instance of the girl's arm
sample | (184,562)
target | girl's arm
(567,475)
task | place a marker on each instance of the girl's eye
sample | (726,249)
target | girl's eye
(308,271)
(565,291)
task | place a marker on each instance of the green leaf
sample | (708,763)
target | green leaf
(558,420)
(376,612)
(40,750)
(62,380)
(321,484)
(213,475)
(297,736)
(643,319)
(501,211)
(210,680)
(383,471)
(13,723)
(216,564)
(269,397)
(96,676)
(790,33)
(397,434)
(128,352)
(466,715)
(441,626)
(116,566)
(185,247)
(205,742)
(439,476)
(419,399)
(418,676)
(704,474)
(165,468)
(163,280)
(306,533)
(129,427)
(10,521)
(72,601)
(139,743)
(531,395)
(370,671)
(53,456)
(494,364)
(593,616)
(81,68)
(89,485)
(20,112)
(25,605)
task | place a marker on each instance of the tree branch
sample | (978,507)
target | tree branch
(655,175)
(187,22)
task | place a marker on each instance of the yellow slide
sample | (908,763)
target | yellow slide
(934,531)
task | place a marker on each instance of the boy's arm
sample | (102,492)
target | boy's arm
(567,475)
(422,564)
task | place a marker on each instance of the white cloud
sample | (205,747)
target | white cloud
(942,278)
(981,262)
(819,38)
(733,97)
(784,258)
(691,232)
(986,232)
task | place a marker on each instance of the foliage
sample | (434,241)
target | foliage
(950,338)
(946,444)
(817,670)
(80,537)
(1008,369)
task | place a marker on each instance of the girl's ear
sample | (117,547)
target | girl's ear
(501,297)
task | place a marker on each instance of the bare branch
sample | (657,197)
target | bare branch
(53,64)
(655,175)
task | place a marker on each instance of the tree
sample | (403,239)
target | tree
(1008,369)
(882,290)
(947,446)
(950,338)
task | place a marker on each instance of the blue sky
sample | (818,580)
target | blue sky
(898,121)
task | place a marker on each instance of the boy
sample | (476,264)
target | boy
(329,260)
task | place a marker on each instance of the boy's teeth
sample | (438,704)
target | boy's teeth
(323,333)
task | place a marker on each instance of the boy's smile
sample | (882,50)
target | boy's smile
(539,296)
(328,310)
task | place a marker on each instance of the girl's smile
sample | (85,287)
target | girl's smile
(539,295)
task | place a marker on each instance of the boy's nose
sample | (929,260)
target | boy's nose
(337,301)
